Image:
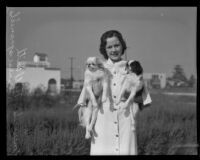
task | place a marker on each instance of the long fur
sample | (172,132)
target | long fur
(96,90)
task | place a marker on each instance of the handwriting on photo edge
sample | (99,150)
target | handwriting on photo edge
(19,72)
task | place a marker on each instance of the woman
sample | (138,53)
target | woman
(113,129)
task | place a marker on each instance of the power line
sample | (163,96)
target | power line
(71,69)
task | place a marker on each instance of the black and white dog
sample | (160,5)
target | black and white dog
(132,83)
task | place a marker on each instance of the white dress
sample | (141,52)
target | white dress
(115,130)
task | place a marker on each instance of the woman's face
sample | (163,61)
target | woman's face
(114,49)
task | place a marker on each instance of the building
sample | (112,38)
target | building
(39,60)
(155,80)
(36,73)
(78,84)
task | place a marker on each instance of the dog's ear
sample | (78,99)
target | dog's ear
(136,67)
(88,61)
(99,62)
(127,64)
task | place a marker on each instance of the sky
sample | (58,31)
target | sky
(158,37)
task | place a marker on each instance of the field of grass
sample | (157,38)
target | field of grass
(182,90)
(44,126)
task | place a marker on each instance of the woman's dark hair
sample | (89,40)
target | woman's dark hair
(109,34)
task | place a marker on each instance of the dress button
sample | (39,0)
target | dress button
(117,149)
(115,122)
(114,84)
(117,135)
(114,96)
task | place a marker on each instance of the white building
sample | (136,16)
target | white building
(77,84)
(148,77)
(34,74)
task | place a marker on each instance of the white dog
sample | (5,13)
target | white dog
(96,90)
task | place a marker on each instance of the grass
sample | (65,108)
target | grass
(167,127)
(183,89)
(169,122)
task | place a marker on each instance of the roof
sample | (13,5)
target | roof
(41,54)
(52,68)
(36,67)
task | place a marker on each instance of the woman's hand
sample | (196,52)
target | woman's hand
(125,105)
(79,105)
(125,108)
(104,98)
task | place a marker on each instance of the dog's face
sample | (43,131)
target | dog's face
(134,67)
(93,64)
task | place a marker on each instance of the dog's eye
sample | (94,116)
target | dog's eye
(90,64)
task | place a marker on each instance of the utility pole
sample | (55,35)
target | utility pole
(71,70)
(126,56)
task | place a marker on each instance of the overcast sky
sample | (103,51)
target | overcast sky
(159,37)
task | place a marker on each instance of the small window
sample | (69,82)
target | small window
(52,81)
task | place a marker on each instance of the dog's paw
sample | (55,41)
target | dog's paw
(79,106)
(94,104)
(117,102)
(89,128)
(76,106)
(104,99)
(125,106)
(87,135)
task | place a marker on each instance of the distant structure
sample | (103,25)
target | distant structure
(78,84)
(39,60)
(155,80)
(34,74)
(52,87)
(152,80)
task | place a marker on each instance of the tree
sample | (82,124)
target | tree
(191,81)
(179,75)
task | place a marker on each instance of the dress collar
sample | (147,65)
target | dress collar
(110,62)
(117,66)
